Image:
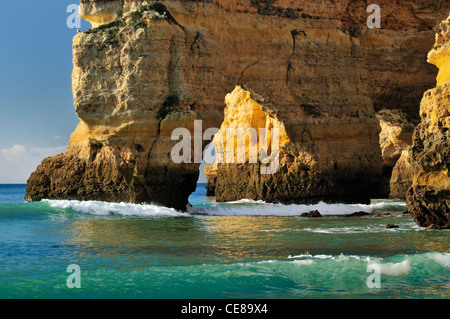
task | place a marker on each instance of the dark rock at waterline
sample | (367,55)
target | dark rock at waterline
(391,226)
(313,213)
(358,214)
(211,186)
(434,226)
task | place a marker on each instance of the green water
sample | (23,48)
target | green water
(216,251)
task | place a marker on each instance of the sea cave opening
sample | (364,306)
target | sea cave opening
(206,178)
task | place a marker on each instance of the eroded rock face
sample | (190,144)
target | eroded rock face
(396,135)
(428,198)
(211,179)
(146,70)
(133,85)
(395,138)
(402,176)
(312,166)
(439,56)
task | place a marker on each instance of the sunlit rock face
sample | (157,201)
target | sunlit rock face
(132,86)
(318,159)
(440,55)
(100,12)
(429,197)
(147,69)
(395,138)
(402,176)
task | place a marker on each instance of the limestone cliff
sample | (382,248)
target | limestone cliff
(318,158)
(402,175)
(211,179)
(148,68)
(395,138)
(428,198)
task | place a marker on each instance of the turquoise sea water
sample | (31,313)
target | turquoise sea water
(243,249)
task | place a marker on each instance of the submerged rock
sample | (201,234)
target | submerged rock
(389,226)
(433,226)
(358,214)
(313,213)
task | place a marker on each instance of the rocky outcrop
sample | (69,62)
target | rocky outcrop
(395,137)
(390,226)
(439,56)
(147,68)
(358,214)
(310,165)
(134,81)
(312,214)
(428,199)
(402,176)
(211,179)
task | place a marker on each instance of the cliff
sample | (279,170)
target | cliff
(402,175)
(395,138)
(146,69)
(428,198)
(328,159)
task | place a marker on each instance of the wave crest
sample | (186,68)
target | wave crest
(260,208)
(123,209)
(237,208)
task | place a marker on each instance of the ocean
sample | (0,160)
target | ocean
(238,250)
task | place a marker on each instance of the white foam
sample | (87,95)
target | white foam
(247,207)
(399,205)
(340,257)
(238,208)
(124,209)
(250,201)
(395,269)
(342,230)
(308,255)
(343,257)
(353,230)
(443,259)
(303,262)
(266,261)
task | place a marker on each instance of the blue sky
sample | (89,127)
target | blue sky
(37,115)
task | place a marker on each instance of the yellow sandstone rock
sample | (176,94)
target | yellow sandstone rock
(428,198)
(440,55)
(244,115)
(318,73)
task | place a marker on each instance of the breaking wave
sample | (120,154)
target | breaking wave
(260,208)
(123,209)
(237,208)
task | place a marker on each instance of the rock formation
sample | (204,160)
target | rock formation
(147,68)
(313,214)
(134,81)
(428,199)
(395,137)
(402,176)
(390,226)
(211,179)
(313,165)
